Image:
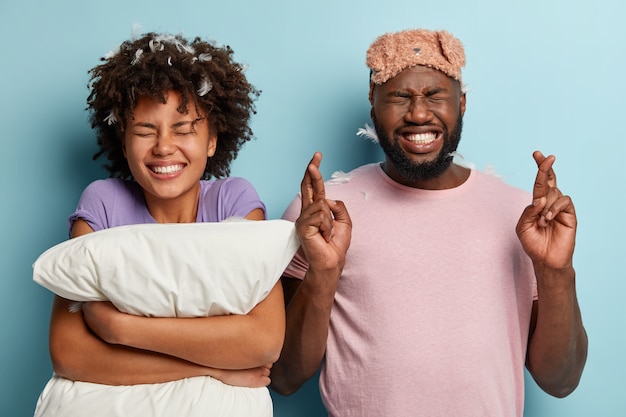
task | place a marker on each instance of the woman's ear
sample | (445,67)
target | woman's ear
(121,134)
(212,143)
(123,140)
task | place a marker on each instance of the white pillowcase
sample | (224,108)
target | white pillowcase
(190,397)
(166,270)
(184,270)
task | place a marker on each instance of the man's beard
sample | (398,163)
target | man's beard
(413,171)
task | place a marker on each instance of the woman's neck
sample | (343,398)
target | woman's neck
(182,209)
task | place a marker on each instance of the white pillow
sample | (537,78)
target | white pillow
(165,270)
(193,269)
(190,397)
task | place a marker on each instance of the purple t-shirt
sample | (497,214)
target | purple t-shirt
(114,202)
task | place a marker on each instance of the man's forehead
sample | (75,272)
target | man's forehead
(421,77)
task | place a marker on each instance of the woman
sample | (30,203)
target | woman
(169,114)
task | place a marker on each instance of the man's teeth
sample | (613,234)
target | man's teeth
(170,169)
(422,138)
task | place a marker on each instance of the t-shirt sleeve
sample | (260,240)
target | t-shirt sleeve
(91,206)
(230,197)
(298,265)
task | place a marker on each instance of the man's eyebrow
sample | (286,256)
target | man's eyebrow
(398,92)
(436,90)
(408,91)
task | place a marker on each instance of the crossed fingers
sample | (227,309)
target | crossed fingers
(312,187)
(545,192)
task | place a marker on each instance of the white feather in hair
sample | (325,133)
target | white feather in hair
(176,41)
(205,57)
(112,52)
(111,119)
(155,45)
(205,87)
(137,56)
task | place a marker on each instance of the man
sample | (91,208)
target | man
(441,299)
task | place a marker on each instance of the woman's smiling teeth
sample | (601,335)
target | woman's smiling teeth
(421,138)
(168,169)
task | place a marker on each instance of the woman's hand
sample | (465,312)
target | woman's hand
(104,320)
(251,378)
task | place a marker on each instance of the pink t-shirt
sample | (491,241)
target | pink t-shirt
(432,312)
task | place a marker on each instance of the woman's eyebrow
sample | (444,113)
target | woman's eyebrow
(153,126)
(144,124)
(183,123)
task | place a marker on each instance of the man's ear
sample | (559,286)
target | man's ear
(371,93)
(462,102)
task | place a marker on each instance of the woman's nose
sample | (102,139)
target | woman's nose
(164,145)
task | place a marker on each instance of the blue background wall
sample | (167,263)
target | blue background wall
(542,74)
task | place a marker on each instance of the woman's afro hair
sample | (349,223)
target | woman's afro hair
(204,74)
